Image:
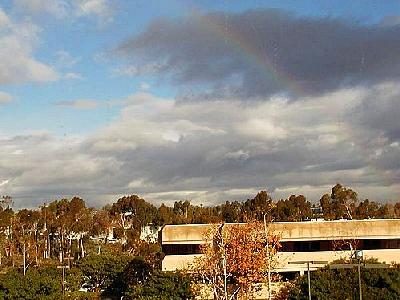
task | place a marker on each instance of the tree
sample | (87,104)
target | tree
(183,211)
(100,270)
(26,232)
(101,224)
(327,209)
(236,254)
(69,221)
(294,209)
(132,213)
(256,208)
(232,212)
(342,203)
(343,284)
(162,286)
(6,242)
(6,202)
(141,281)
(165,215)
(344,200)
(367,210)
(387,211)
(37,284)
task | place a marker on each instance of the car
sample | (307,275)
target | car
(86,287)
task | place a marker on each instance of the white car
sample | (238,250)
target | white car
(86,287)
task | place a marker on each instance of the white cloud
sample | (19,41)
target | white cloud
(5,98)
(71,9)
(72,75)
(4,20)
(58,8)
(78,104)
(132,71)
(207,152)
(65,59)
(239,155)
(99,8)
(137,183)
(4,182)
(262,129)
(144,86)
(171,135)
(113,146)
(17,64)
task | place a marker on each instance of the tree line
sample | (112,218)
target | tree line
(68,233)
(64,228)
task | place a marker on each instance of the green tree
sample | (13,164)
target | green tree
(101,270)
(162,286)
(329,284)
(41,283)
(26,231)
(131,213)
(367,210)
(65,218)
(295,208)
(183,212)
(165,215)
(232,212)
(344,200)
(342,203)
(6,242)
(256,208)
(141,281)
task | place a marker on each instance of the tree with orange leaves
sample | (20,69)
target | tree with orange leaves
(235,258)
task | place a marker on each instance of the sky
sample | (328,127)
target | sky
(205,101)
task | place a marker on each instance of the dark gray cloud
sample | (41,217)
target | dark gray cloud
(379,111)
(263,52)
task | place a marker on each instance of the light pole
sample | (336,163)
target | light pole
(63,277)
(308,262)
(268,257)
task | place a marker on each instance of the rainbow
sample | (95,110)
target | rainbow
(256,56)
(268,66)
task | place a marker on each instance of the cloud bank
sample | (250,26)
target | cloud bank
(166,150)
(326,110)
(260,53)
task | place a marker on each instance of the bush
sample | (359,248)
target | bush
(142,282)
(102,270)
(343,284)
(36,284)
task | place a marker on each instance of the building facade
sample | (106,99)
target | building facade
(301,241)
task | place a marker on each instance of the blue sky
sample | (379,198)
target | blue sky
(85,38)
(65,80)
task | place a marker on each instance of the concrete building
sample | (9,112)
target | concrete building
(301,241)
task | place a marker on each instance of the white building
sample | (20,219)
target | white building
(301,241)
